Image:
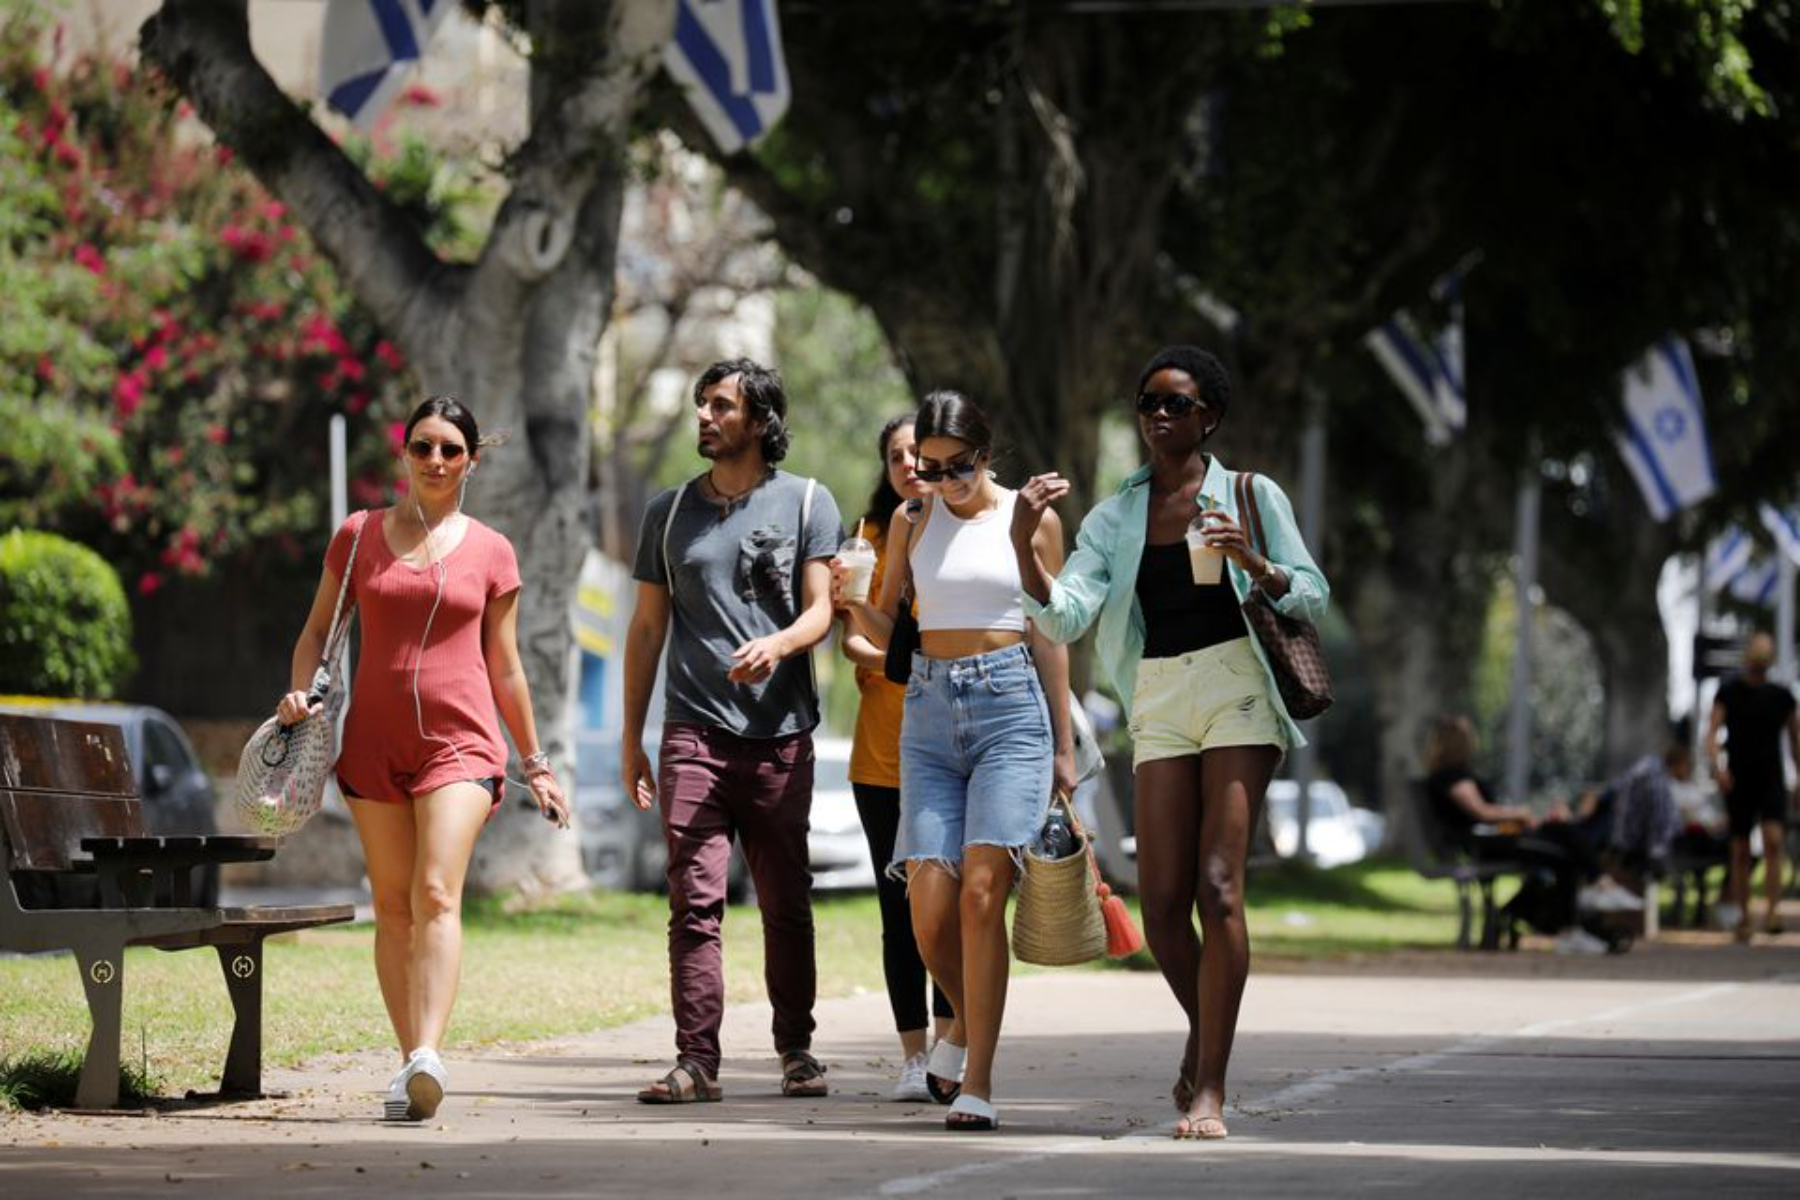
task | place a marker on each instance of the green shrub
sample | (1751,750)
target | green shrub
(65,629)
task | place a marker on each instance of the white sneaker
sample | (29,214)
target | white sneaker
(1580,941)
(1608,896)
(426,1080)
(911,1087)
(394,1107)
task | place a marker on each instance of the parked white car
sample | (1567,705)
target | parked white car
(838,851)
(1336,832)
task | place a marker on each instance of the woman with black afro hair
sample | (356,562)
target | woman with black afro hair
(1208,726)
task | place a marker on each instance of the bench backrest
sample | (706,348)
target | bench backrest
(1428,843)
(61,781)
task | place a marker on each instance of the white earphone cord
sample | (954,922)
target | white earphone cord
(425,638)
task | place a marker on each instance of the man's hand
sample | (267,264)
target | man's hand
(755,660)
(640,781)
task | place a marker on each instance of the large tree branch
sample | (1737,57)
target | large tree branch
(203,47)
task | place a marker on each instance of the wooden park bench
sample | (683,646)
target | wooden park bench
(1434,854)
(68,806)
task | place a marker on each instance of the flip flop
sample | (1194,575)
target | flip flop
(685,1083)
(1201,1129)
(971,1114)
(944,1071)
(1183,1094)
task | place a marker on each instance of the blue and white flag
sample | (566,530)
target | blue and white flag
(1758,584)
(1664,441)
(1728,557)
(1784,525)
(1428,370)
(367,47)
(726,55)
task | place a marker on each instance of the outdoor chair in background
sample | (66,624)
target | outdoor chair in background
(1433,854)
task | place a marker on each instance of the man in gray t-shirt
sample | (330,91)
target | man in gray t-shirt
(733,578)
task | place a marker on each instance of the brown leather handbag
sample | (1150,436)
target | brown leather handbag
(1291,645)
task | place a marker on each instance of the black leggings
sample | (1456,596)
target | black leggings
(879,808)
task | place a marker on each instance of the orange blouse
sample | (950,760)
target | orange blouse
(875,752)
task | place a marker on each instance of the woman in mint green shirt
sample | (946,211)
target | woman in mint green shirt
(1208,726)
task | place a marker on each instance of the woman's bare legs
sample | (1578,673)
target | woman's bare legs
(449,820)
(387,834)
(935,895)
(1232,781)
(986,884)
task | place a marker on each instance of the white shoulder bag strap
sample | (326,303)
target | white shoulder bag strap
(668,522)
(800,575)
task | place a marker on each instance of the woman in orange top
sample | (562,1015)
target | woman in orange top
(875,777)
(422,765)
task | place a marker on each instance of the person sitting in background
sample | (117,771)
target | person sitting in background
(1558,863)
(1630,825)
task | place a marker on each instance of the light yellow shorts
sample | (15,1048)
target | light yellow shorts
(1201,700)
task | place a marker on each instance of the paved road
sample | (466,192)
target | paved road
(1671,1072)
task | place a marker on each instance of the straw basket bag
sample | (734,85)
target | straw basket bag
(281,773)
(1065,914)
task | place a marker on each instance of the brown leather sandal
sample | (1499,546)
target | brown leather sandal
(685,1083)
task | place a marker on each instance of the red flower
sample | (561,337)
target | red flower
(89,257)
(274,210)
(149,583)
(250,245)
(157,358)
(350,369)
(320,334)
(390,357)
(216,434)
(223,155)
(40,79)
(128,392)
(357,404)
(397,436)
(46,370)
(68,155)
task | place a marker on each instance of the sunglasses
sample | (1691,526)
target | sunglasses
(421,448)
(964,469)
(1173,403)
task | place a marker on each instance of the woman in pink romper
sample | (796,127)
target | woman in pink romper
(423,764)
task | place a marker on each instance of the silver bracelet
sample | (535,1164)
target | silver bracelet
(536,764)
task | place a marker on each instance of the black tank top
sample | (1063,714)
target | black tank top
(1179,614)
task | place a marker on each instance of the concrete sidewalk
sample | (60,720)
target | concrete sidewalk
(1658,1074)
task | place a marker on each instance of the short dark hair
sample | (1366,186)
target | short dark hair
(884,499)
(1203,367)
(764,400)
(451,409)
(951,414)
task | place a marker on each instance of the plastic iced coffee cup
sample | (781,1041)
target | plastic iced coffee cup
(858,555)
(1206,562)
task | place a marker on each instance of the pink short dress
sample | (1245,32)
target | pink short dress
(384,755)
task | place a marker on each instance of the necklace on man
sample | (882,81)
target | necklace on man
(729,501)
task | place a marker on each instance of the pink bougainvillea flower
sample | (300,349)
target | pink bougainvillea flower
(274,210)
(223,155)
(216,434)
(389,354)
(350,369)
(128,392)
(68,155)
(88,256)
(156,358)
(397,436)
(357,404)
(149,583)
(46,370)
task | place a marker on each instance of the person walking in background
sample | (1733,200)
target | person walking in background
(980,748)
(732,576)
(1207,723)
(422,766)
(875,776)
(1754,711)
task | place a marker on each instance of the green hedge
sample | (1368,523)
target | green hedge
(65,628)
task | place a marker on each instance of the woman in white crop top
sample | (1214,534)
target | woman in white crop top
(980,749)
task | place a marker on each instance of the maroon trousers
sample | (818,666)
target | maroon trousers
(716,785)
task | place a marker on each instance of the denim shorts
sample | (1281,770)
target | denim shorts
(975,751)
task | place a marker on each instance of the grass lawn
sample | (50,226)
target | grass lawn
(585,962)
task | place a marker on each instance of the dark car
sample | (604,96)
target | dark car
(177,793)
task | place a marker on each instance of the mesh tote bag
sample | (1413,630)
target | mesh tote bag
(282,771)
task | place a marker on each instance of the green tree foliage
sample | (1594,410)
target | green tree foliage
(174,344)
(65,629)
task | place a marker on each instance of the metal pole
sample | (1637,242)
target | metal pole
(1312,530)
(1784,620)
(1518,717)
(340,493)
(1703,617)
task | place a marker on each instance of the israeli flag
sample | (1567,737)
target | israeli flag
(1428,370)
(1784,526)
(366,50)
(1758,584)
(726,55)
(1664,438)
(1728,557)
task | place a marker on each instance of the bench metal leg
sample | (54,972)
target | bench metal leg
(1490,917)
(1465,906)
(243,967)
(103,979)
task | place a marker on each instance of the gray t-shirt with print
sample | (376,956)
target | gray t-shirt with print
(736,578)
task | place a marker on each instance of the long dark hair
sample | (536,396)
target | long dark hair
(765,400)
(950,414)
(452,410)
(884,499)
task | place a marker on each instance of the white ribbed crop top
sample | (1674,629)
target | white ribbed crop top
(965,573)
